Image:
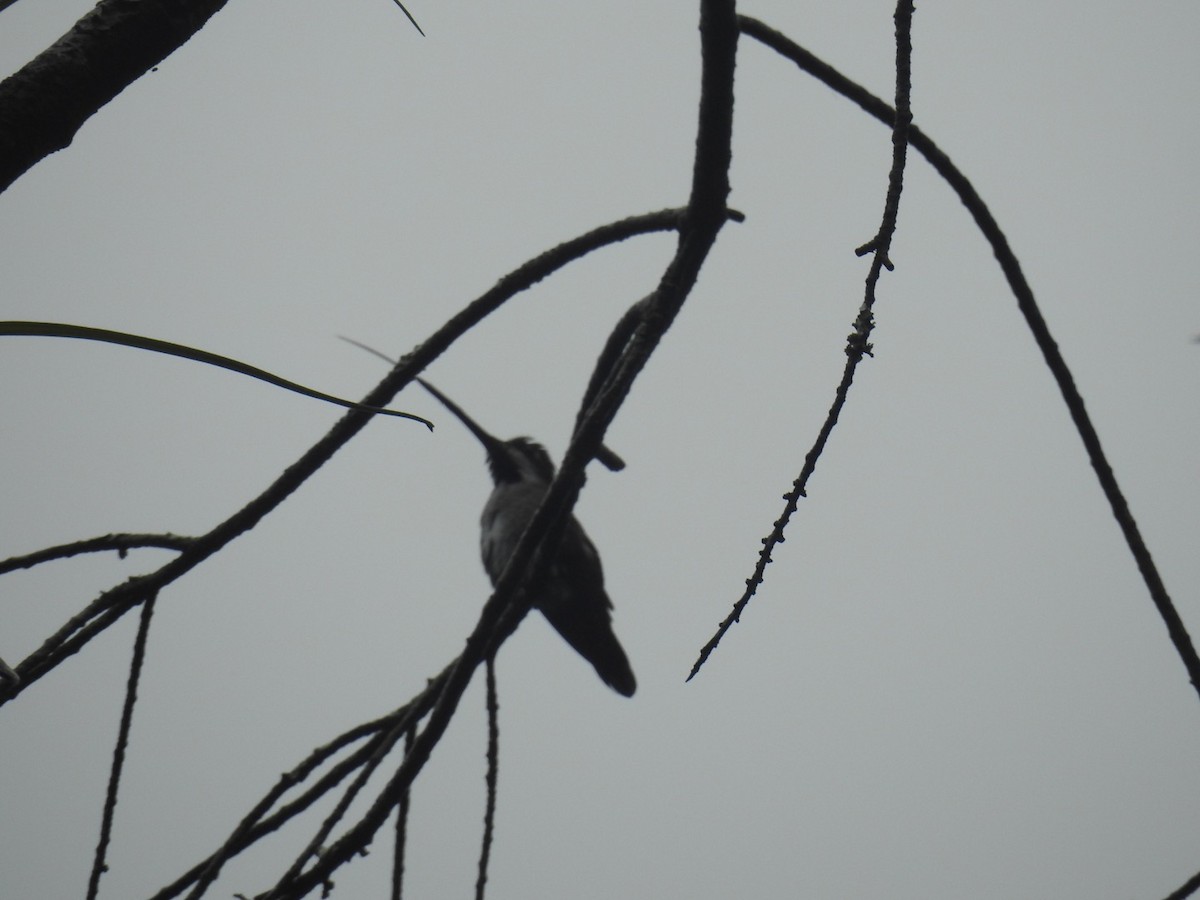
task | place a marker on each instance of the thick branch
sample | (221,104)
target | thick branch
(43,105)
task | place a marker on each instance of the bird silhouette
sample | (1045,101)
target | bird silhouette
(572,595)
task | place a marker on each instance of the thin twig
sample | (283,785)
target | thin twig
(317,842)
(122,543)
(401,828)
(256,824)
(1033,318)
(99,863)
(493,771)
(858,343)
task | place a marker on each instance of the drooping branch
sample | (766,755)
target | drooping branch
(170,348)
(100,859)
(858,343)
(493,773)
(1028,306)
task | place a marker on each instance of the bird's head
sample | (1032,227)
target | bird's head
(524,460)
(519,459)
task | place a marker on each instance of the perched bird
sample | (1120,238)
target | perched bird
(572,596)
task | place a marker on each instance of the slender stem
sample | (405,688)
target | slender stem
(1033,317)
(99,863)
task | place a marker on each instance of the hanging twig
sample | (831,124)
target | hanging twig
(858,343)
(401,828)
(1033,317)
(705,215)
(493,771)
(99,864)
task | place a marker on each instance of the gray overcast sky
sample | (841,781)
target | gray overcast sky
(952,684)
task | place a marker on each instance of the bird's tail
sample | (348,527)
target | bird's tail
(589,630)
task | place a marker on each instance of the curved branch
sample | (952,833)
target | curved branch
(181,351)
(512,597)
(1033,318)
(858,343)
(115,602)
(122,543)
(257,824)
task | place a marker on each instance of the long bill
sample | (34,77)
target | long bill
(606,457)
(493,446)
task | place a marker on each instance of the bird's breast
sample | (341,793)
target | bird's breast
(505,517)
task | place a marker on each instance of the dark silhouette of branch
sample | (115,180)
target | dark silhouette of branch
(858,343)
(45,103)
(115,602)
(706,214)
(611,354)
(367,769)
(99,866)
(1186,889)
(493,772)
(257,824)
(512,596)
(489,633)
(401,830)
(1033,318)
(42,107)
(169,348)
(122,543)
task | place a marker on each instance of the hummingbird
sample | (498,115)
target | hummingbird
(572,596)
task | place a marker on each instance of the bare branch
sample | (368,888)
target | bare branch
(1033,318)
(115,602)
(99,863)
(122,543)
(401,830)
(1186,889)
(256,824)
(493,771)
(43,105)
(512,597)
(858,343)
